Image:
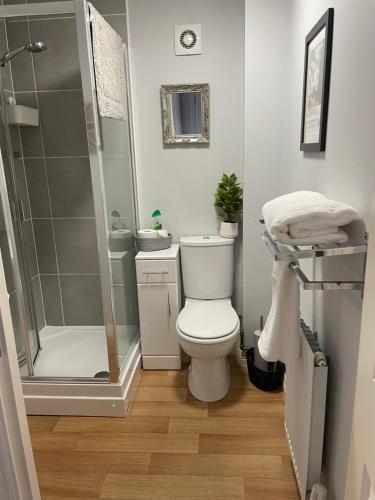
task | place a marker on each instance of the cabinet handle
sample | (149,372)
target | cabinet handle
(155,272)
(169,305)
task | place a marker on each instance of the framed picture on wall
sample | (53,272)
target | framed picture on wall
(317,71)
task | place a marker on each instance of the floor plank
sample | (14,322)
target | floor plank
(54,440)
(172,487)
(95,424)
(45,424)
(71,484)
(260,466)
(270,489)
(250,426)
(145,443)
(92,462)
(243,445)
(168,409)
(257,408)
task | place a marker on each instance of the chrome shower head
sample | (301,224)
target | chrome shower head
(36,47)
(30,47)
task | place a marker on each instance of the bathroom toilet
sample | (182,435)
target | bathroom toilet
(208,326)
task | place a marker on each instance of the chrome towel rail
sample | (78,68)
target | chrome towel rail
(293,253)
(306,284)
(289,252)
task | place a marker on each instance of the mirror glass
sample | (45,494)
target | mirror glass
(185,113)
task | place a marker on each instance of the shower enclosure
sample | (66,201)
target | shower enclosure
(66,231)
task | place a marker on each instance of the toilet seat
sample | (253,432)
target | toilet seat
(208,321)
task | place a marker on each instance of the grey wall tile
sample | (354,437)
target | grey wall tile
(52,299)
(22,188)
(76,245)
(82,301)
(63,123)
(38,302)
(15,139)
(58,67)
(118,23)
(109,6)
(29,245)
(38,188)
(8,269)
(22,69)
(45,246)
(70,187)
(31,137)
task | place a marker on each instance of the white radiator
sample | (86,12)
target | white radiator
(305,403)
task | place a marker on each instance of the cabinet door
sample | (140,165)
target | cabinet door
(158,308)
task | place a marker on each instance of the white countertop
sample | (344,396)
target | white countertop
(168,254)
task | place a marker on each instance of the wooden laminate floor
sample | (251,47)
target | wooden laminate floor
(171,447)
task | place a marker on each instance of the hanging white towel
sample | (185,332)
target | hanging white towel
(307,218)
(280,336)
(110,72)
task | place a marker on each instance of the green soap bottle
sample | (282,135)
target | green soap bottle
(156,223)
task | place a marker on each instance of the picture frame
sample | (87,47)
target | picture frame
(316,83)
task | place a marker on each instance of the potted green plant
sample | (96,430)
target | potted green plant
(228,203)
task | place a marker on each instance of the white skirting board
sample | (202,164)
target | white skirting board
(99,400)
(305,404)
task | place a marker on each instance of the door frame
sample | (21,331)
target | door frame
(360,474)
(17,467)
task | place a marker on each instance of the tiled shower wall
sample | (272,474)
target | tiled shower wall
(27,226)
(55,160)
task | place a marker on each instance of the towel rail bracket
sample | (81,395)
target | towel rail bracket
(293,253)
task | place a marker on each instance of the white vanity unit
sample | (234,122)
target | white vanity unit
(159,299)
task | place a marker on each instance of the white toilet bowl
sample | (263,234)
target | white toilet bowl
(208,330)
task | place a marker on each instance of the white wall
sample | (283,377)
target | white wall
(266,67)
(344,172)
(181,181)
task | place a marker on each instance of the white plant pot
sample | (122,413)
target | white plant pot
(229,229)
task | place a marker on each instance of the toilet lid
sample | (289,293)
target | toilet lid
(208,319)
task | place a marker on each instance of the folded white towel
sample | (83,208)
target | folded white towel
(280,336)
(307,218)
(109,60)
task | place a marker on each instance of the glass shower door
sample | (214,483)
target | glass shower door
(112,150)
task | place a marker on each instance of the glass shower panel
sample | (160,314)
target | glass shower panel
(15,224)
(119,192)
